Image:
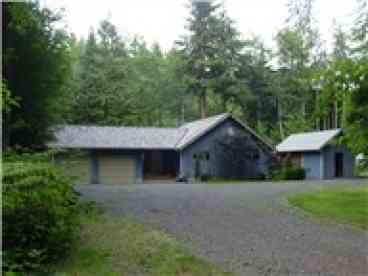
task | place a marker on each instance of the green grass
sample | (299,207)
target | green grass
(343,204)
(116,246)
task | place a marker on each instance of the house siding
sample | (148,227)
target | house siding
(312,163)
(95,168)
(216,166)
(321,165)
(139,167)
(329,165)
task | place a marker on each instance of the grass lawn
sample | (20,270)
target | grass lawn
(343,205)
(117,246)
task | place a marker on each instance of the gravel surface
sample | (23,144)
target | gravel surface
(246,228)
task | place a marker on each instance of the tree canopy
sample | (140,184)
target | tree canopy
(51,77)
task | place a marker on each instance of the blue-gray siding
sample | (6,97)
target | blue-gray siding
(312,164)
(139,167)
(216,166)
(329,153)
(321,164)
(95,168)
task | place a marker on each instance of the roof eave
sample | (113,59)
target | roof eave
(112,148)
(271,148)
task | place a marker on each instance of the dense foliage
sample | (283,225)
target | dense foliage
(287,172)
(115,80)
(35,67)
(40,213)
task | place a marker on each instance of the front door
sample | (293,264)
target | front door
(339,164)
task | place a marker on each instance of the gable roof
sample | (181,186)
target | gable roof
(196,129)
(103,137)
(308,141)
(87,137)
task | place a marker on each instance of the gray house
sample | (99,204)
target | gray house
(219,147)
(320,153)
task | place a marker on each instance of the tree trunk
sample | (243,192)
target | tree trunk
(279,113)
(304,112)
(336,115)
(182,121)
(343,111)
(203,105)
(6,131)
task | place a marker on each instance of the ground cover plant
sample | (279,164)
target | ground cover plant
(118,246)
(287,172)
(344,204)
(40,213)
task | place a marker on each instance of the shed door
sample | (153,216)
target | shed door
(114,169)
(339,164)
(79,167)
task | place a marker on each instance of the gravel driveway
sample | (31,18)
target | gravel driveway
(246,228)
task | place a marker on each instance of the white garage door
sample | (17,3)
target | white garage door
(114,169)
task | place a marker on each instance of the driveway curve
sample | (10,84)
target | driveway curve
(246,228)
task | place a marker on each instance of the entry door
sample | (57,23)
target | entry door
(339,164)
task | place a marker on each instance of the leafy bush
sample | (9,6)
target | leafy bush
(40,214)
(287,172)
(205,177)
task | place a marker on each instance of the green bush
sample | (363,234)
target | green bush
(40,214)
(287,172)
(205,177)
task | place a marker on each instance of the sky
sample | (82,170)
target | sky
(163,21)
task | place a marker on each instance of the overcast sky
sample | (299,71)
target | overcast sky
(163,21)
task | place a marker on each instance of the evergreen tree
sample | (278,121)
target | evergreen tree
(36,67)
(201,47)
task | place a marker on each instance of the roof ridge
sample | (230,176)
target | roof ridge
(205,119)
(220,118)
(110,126)
(182,137)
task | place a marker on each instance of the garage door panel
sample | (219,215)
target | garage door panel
(116,170)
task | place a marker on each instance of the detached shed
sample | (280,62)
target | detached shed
(319,153)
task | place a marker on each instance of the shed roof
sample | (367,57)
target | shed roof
(102,137)
(308,141)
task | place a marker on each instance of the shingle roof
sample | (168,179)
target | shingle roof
(117,137)
(195,129)
(84,137)
(308,141)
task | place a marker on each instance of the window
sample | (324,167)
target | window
(230,131)
(207,155)
(254,155)
(204,155)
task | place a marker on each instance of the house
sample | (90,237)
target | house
(219,146)
(320,153)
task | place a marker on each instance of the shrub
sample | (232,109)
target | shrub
(40,214)
(287,172)
(205,177)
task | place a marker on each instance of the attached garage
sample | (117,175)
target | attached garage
(100,167)
(116,169)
